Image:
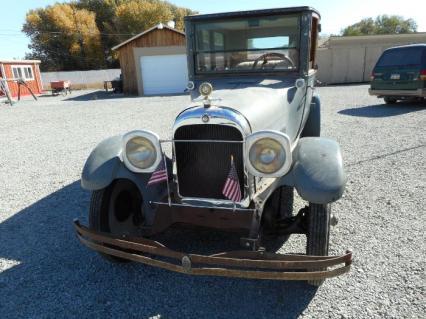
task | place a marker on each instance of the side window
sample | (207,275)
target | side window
(17,73)
(23,72)
(314,42)
(218,41)
(204,41)
(29,73)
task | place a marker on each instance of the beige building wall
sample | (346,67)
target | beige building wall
(351,59)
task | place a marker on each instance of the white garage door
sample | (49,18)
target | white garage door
(164,74)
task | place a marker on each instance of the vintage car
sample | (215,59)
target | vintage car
(250,136)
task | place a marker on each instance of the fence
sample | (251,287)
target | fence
(81,79)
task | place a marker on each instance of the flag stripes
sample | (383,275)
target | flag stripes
(159,175)
(231,189)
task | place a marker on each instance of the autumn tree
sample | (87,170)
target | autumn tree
(136,16)
(64,38)
(383,24)
(105,15)
(80,34)
(179,14)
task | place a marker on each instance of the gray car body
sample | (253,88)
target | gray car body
(254,103)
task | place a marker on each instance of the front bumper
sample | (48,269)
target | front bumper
(398,93)
(240,264)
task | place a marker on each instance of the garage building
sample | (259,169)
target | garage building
(154,62)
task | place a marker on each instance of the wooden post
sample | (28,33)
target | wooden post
(22,82)
(19,90)
(5,89)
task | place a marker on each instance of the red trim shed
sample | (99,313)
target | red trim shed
(28,70)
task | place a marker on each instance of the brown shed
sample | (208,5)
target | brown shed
(154,62)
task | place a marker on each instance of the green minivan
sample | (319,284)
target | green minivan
(400,73)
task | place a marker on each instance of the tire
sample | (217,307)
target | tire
(278,206)
(390,100)
(318,234)
(116,209)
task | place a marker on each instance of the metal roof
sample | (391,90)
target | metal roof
(20,61)
(159,26)
(236,14)
(413,45)
(374,37)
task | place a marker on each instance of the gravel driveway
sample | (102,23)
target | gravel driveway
(46,273)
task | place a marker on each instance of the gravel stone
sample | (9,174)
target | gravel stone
(46,273)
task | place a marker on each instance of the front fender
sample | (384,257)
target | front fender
(318,174)
(102,165)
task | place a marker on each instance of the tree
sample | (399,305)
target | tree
(383,24)
(64,38)
(80,34)
(179,14)
(135,16)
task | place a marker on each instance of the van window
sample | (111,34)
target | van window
(401,57)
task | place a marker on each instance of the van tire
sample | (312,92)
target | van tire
(390,100)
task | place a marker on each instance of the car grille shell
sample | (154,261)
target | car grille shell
(203,167)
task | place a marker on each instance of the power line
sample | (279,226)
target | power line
(12,32)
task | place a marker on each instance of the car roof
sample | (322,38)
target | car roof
(415,45)
(261,12)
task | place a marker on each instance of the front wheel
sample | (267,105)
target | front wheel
(116,209)
(318,234)
(390,100)
(279,206)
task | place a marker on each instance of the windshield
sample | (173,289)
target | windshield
(401,57)
(247,45)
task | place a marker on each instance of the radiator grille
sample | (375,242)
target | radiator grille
(203,167)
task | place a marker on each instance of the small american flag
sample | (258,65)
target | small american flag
(159,175)
(231,189)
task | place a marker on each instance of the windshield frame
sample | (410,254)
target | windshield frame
(234,72)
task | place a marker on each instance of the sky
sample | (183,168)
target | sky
(335,15)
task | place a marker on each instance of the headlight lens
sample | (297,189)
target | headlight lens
(141,152)
(267,155)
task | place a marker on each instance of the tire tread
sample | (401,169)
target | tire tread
(318,236)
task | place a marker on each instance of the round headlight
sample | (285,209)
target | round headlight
(205,89)
(267,155)
(141,152)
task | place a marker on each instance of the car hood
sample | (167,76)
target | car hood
(266,104)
